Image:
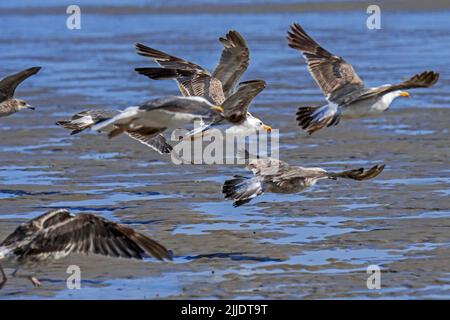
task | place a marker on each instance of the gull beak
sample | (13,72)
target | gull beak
(404,94)
(267,128)
(30,107)
(217,108)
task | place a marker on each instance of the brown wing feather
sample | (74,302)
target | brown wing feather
(157,143)
(333,74)
(37,224)
(236,106)
(267,166)
(89,234)
(358,174)
(192,79)
(422,80)
(168,61)
(233,62)
(9,84)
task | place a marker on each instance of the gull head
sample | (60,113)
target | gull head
(254,123)
(20,104)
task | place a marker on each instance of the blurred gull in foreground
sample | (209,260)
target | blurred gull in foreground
(58,233)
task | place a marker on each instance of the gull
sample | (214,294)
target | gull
(146,122)
(153,117)
(345,92)
(58,233)
(221,87)
(276,176)
(88,118)
(8,85)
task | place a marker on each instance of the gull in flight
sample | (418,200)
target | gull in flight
(276,176)
(346,94)
(8,85)
(220,88)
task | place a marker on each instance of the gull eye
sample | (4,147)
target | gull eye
(22,103)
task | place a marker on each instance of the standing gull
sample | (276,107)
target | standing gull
(276,176)
(346,93)
(220,88)
(58,233)
(8,85)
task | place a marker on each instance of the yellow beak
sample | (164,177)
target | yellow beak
(217,108)
(404,94)
(267,128)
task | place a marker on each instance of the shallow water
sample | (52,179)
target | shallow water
(317,244)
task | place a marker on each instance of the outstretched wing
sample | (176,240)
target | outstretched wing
(9,84)
(335,76)
(358,174)
(233,62)
(192,79)
(422,80)
(157,143)
(89,234)
(37,224)
(236,106)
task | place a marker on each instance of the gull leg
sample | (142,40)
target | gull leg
(35,281)
(4,278)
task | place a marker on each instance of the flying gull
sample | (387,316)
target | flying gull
(58,233)
(88,118)
(8,85)
(221,87)
(345,92)
(276,176)
(153,117)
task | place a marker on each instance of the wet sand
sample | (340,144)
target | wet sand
(317,244)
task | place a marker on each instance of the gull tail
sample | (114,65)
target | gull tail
(242,189)
(68,124)
(358,174)
(84,120)
(312,119)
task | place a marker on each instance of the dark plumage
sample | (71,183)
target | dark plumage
(8,85)
(220,88)
(57,233)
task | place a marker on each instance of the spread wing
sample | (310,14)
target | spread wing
(233,62)
(89,234)
(157,143)
(9,84)
(423,80)
(358,174)
(192,79)
(236,106)
(335,76)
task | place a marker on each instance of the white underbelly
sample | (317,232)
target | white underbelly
(365,108)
